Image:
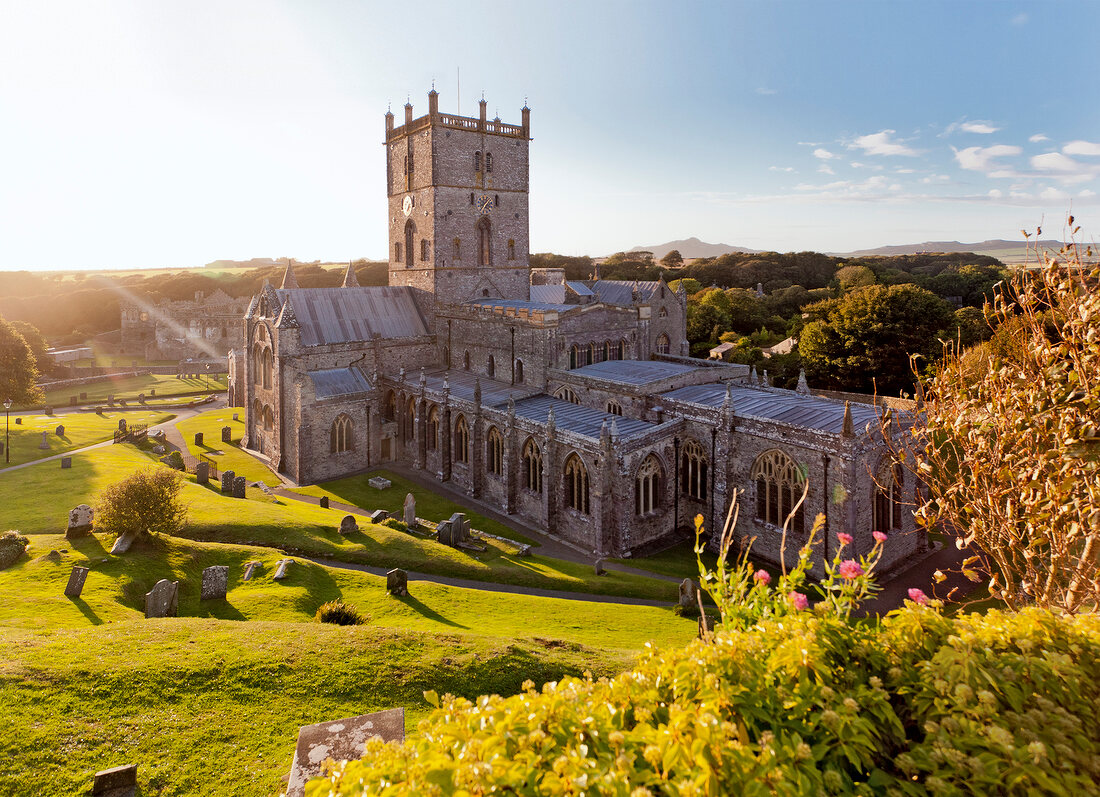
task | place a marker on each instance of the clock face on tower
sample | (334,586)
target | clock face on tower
(407,205)
(484,204)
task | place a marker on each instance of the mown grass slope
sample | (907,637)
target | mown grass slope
(81,429)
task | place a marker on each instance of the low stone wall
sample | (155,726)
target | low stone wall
(893,403)
(101,375)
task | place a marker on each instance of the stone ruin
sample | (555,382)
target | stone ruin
(163,599)
(340,740)
(215,583)
(80,521)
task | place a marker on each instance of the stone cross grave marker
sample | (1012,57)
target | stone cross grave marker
(280,569)
(410,511)
(687,594)
(76,581)
(66,463)
(348,525)
(239,484)
(250,569)
(215,583)
(397,582)
(340,740)
(80,521)
(227,482)
(45,444)
(163,599)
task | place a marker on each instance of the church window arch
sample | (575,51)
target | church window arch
(491,366)
(663,343)
(606,350)
(567,394)
(488,162)
(576,484)
(484,242)
(693,470)
(257,412)
(519,372)
(574,352)
(477,161)
(269,418)
(647,486)
(340,435)
(389,407)
(887,508)
(397,257)
(268,367)
(779,483)
(494,451)
(466,360)
(425,249)
(462,440)
(621,353)
(532,466)
(433,428)
(591,354)
(408,421)
(410,237)
(615,408)
(662,313)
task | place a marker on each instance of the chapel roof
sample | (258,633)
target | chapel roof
(633,372)
(345,315)
(334,382)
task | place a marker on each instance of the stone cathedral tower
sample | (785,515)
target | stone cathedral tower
(458,204)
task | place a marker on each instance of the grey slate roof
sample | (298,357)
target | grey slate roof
(552,294)
(345,315)
(621,291)
(632,372)
(521,305)
(334,382)
(575,418)
(579,288)
(809,412)
(493,393)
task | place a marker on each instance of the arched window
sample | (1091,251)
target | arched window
(433,428)
(457,251)
(466,360)
(615,408)
(397,252)
(519,372)
(888,499)
(410,235)
(477,161)
(425,249)
(462,440)
(532,466)
(693,470)
(779,484)
(567,394)
(491,368)
(606,350)
(621,353)
(662,313)
(484,242)
(389,407)
(511,249)
(257,412)
(408,421)
(576,484)
(494,451)
(257,364)
(269,418)
(488,161)
(647,485)
(340,436)
(268,368)
(591,353)
(573,352)
(662,344)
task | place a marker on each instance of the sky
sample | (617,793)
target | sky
(141,134)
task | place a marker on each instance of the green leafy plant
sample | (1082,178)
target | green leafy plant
(146,501)
(339,613)
(12,546)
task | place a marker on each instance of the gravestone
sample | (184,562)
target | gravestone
(215,582)
(83,396)
(397,582)
(323,503)
(66,463)
(153,391)
(158,450)
(687,594)
(111,403)
(410,511)
(18,421)
(599,568)
(340,740)
(236,416)
(121,423)
(250,569)
(378,515)
(73,401)
(48,410)
(281,568)
(443,533)
(141,398)
(227,434)
(198,438)
(163,599)
(524,550)
(202,472)
(122,402)
(80,521)
(59,431)
(76,581)
(124,541)
(379,483)
(706,625)
(45,444)
(348,525)
(117,782)
(460,528)
(239,484)
(227,482)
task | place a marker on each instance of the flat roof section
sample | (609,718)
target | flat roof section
(333,382)
(462,383)
(634,372)
(575,418)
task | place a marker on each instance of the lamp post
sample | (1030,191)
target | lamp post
(207,367)
(7,439)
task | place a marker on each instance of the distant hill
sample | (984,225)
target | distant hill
(1005,251)
(691,248)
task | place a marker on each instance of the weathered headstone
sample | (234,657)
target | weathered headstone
(443,533)
(76,581)
(83,396)
(340,740)
(141,398)
(227,434)
(124,541)
(117,782)
(379,483)
(198,438)
(348,525)
(45,444)
(397,582)
(599,567)
(122,402)
(80,521)
(687,598)
(66,463)
(111,403)
(250,569)
(281,568)
(215,582)
(239,484)
(460,528)
(152,391)
(236,416)
(378,515)
(48,410)
(410,511)
(121,421)
(706,624)
(227,482)
(202,472)
(18,421)
(73,401)
(163,599)
(60,430)
(323,503)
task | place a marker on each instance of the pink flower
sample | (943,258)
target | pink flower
(879,536)
(850,568)
(845,539)
(763,576)
(917,596)
(798,600)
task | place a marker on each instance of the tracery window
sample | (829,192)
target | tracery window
(615,408)
(647,486)
(408,421)
(433,428)
(532,466)
(779,484)
(576,484)
(389,407)
(693,470)
(462,440)
(491,369)
(662,344)
(888,500)
(268,367)
(424,249)
(567,394)
(484,243)
(410,235)
(494,451)
(340,436)
(519,372)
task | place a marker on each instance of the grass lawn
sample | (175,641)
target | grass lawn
(354,490)
(81,429)
(130,386)
(229,456)
(678,561)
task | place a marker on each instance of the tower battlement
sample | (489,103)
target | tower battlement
(480,124)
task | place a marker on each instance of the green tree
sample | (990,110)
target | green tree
(865,339)
(673,259)
(18,374)
(851,277)
(147,501)
(691,286)
(38,345)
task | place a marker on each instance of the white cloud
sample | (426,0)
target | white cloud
(935,178)
(1065,169)
(809,143)
(824,154)
(881,143)
(765,91)
(1086,193)
(978,127)
(1035,139)
(1081,148)
(995,193)
(1053,193)
(825,169)
(981,159)
(904,171)
(781,169)
(1019,20)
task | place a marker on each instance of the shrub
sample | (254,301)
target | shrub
(174,460)
(146,501)
(339,613)
(395,524)
(12,546)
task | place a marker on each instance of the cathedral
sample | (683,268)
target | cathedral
(571,405)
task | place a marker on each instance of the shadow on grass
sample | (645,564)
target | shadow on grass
(90,546)
(424,610)
(86,610)
(218,610)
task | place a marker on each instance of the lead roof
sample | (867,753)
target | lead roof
(345,315)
